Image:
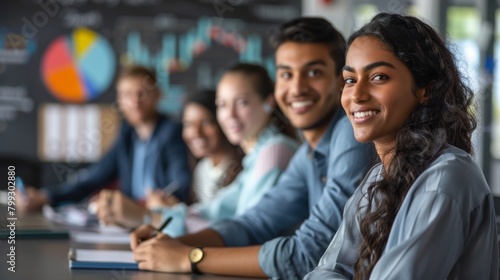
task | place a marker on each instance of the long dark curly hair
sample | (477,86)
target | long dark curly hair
(446,118)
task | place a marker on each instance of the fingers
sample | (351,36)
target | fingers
(161,236)
(155,199)
(140,254)
(150,199)
(162,254)
(171,200)
(146,255)
(92,207)
(94,198)
(22,202)
(145,265)
(143,256)
(104,206)
(116,205)
(30,200)
(143,232)
(113,207)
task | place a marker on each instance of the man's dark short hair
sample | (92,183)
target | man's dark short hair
(312,30)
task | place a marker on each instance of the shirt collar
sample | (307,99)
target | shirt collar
(159,121)
(323,146)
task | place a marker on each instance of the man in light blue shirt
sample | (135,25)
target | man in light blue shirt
(321,177)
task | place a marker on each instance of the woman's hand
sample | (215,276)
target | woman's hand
(161,253)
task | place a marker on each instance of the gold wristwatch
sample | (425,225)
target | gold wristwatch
(195,256)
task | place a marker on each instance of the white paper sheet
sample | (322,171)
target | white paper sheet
(115,256)
(95,237)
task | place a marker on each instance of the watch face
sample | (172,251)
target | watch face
(195,255)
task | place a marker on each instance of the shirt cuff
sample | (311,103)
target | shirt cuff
(267,259)
(276,259)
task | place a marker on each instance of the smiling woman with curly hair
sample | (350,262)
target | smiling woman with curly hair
(426,211)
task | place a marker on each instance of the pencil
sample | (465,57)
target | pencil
(170,188)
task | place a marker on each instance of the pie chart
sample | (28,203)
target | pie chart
(78,67)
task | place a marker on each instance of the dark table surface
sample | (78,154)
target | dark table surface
(47,258)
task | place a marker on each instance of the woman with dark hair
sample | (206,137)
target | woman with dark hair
(248,116)
(426,211)
(219,161)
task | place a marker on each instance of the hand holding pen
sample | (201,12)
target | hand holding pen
(28,198)
(147,253)
(146,232)
(162,197)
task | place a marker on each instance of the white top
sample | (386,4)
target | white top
(208,179)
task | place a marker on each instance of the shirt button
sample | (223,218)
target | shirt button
(323,179)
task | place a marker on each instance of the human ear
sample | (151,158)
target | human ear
(269,104)
(423,95)
(267,107)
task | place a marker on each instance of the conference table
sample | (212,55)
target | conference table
(47,258)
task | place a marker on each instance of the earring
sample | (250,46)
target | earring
(267,108)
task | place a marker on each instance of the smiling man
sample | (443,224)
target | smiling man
(311,193)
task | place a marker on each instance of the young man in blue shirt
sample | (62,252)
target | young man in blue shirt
(321,177)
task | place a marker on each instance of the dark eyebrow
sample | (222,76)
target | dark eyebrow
(309,64)
(369,66)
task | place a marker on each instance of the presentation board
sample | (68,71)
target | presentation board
(63,56)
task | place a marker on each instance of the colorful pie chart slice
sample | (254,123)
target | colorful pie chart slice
(78,67)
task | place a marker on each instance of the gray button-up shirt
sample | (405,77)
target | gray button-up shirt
(445,228)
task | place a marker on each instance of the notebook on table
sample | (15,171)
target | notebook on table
(102,259)
(32,226)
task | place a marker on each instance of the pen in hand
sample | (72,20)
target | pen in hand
(170,188)
(164,225)
(144,233)
(162,197)
(20,185)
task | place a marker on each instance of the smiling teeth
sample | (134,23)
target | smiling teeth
(364,114)
(300,104)
(198,142)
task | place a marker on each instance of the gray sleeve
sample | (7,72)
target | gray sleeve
(425,242)
(328,267)
(340,257)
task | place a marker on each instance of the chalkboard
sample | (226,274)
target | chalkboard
(66,53)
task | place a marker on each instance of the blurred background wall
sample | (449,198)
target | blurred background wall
(59,60)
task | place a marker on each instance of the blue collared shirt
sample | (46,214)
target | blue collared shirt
(315,187)
(142,170)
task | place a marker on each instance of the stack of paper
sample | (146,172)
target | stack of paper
(102,259)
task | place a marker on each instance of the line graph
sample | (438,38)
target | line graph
(177,51)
